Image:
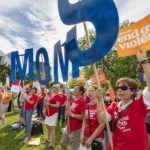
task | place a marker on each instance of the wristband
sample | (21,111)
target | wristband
(144,61)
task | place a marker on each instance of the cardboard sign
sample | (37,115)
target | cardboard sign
(34,141)
(15,89)
(81,79)
(112,94)
(102,78)
(37,85)
(134,37)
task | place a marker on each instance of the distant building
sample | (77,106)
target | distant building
(4,58)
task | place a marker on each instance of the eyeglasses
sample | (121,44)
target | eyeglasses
(107,94)
(124,88)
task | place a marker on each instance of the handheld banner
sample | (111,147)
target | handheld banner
(103,15)
(37,85)
(15,62)
(15,89)
(135,36)
(102,78)
(81,79)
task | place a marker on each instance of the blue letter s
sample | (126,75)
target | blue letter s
(103,15)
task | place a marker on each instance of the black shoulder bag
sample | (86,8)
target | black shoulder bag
(96,145)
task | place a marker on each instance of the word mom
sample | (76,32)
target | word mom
(104,17)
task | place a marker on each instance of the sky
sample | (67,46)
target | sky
(35,23)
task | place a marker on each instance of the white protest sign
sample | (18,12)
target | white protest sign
(38,86)
(15,89)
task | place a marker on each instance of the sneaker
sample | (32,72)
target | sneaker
(23,137)
(46,142)
(25,141)
(51,148)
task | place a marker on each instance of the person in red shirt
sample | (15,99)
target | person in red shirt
(92,126)
(30,105)
(52,104)
(74,111)
(129,116)
(40,102)
(63,100)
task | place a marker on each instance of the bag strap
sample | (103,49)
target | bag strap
(121,113)
(89,119)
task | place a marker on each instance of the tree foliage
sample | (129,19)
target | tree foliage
(113,66)
(4,72)
(72,83)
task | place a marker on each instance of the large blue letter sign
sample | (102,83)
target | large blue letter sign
(103,15)
(63,64)
(46,66)
(15,62)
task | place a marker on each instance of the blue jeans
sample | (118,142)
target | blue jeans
(61,114)
(40,110)
(28,116)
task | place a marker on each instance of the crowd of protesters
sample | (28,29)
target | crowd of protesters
(84,115)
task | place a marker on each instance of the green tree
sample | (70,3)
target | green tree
(72,83)
(4,72)
(113,66)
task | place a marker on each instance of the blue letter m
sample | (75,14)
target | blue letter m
(15,63)
(63,64)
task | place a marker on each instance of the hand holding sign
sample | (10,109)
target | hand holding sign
(141,56)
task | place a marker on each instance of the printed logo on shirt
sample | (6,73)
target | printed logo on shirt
(122,124)
(92,114)
(73,106)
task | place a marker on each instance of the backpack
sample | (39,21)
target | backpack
(37,128)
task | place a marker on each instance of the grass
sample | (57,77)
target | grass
(12,139)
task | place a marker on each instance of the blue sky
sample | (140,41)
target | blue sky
(36,23)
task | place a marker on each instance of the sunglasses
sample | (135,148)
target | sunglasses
(124,88)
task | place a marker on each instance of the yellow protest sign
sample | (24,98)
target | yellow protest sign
(135,36)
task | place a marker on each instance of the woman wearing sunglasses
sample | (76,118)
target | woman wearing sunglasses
(128,117)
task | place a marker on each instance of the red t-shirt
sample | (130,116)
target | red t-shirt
(63,99)
(52,100)
(77,107)
(130,131)
(87,99)
(42,95)
(92,121)
(33,98)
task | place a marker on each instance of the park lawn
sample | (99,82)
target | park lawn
(12,139)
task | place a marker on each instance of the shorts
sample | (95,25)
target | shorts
(73,139)
(84,147)
(4,107)
(148,128)
(51,120)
